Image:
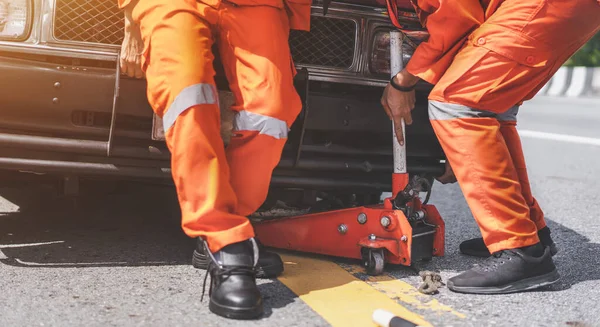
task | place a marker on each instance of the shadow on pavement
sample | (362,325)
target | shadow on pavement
(577,260)
(138,225)
(111,225)
(128,225)
(275,297)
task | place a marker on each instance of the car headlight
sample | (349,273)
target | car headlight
(380,53)
(15,19)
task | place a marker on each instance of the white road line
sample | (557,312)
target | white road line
(560,137)
(91,264)
(6,246)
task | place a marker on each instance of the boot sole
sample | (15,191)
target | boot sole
(518,286)
(553,252)
(236,312)
(200,261)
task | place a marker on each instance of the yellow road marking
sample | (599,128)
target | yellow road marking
(335,294)
(405,292)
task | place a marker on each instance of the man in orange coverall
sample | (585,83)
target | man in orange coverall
(485,58)
(170,41)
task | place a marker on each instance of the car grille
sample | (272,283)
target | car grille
(97,21)
(331,42)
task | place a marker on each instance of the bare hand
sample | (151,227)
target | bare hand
(4,12)
(398,104)
(448,176)
(131,52)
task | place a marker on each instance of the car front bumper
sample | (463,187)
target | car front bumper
(56,118)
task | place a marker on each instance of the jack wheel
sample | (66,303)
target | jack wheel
(374,261)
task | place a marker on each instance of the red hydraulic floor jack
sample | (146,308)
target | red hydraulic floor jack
(402,230)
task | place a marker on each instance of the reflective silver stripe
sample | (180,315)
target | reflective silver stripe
(509,115)
(247,121)
(447,111)
(189,97)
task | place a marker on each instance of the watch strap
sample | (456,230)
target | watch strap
(400,87)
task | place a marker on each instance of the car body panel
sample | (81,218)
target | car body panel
(57,108)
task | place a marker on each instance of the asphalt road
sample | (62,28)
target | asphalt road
(120,258)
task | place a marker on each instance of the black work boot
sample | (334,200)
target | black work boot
(269,263)
(233,291)
(508,271)
(476,247)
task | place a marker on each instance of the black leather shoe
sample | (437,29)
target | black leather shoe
(233,291)
(508,271)
(269,264)
(476,247)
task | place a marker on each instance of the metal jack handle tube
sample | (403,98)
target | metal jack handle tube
(113,118)
(396,65)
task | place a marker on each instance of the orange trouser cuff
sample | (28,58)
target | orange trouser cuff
(513,243)
(241,231)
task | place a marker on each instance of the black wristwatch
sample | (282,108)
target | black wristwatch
(401,88)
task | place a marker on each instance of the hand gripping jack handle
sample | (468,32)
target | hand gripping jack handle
(402,230)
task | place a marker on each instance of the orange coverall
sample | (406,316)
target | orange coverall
(485,58)
(217,187)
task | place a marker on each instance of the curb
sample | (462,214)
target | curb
(573,82)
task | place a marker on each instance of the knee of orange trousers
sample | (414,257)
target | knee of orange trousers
(177,54)
(276,98)
(513,142)
(252,158)
(260,69)
(485,172)
(201,175)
